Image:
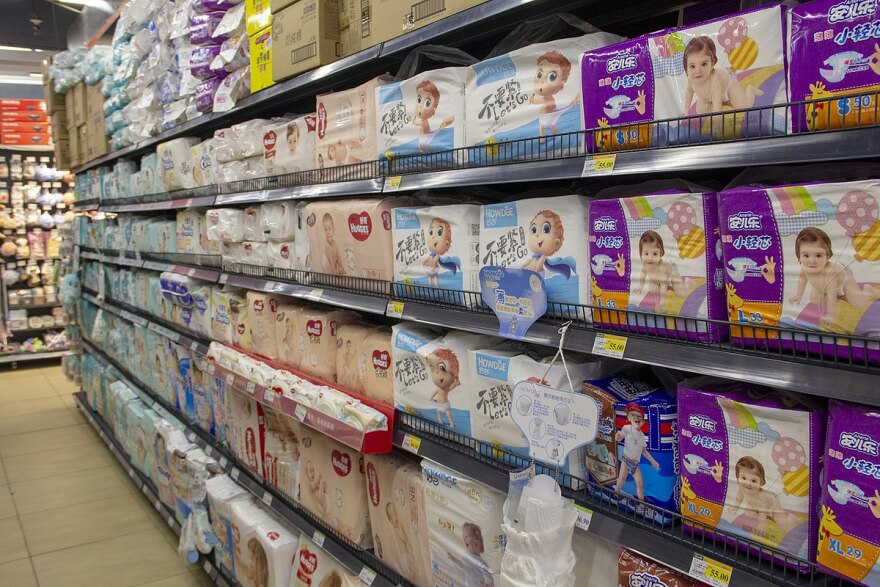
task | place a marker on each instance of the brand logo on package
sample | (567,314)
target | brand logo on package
(645,580)
(240,328)
(322,120)
(744,221)
(360,225)
(851,10)
(605,224)
(406,219)
(390,93)
(381,360)
(258,305)
(308,561)
(435,477)
(341,462)
(386,219)
(314,327)
(311,123)
(493,367)
(860,442)
(273,536)
(285,252)
(269,140)
(702,422)
(493,70)
(273,305)
(499,216)
(373,484)
(621,62)
(408,342)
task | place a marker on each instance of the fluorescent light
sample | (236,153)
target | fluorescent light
(11,48)
(20,80)
(36,75)
(38,50)
(99,4)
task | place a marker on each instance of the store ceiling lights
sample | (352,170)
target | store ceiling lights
(22,80)
(13,48)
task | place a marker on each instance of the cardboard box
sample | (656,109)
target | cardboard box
(43,138)
(94,100)
(261,60)
(80,111)
(258,14)
(73,139)
(54,101)
(62,154)
(69,110)
(23,116)
(82,145)
(59,122)
(277,6)
(11,104)
(305,35)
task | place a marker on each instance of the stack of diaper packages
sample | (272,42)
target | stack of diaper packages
(248,431)
(272,548)
(281,451)
(289,145)
(658,253)
(175,164)
(222,492)
(721,66)
(313,566)
(848,542)
(204,164)
(396,491)
(530,93)
(251,562)
(545,235)
(806,257)
(750,466)
(634,570)
(437,247)
(634,453)
(278,224)
(832,57)
(464,516)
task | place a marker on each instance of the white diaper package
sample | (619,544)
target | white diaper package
(352,360)
(231,252)
(281,254)
(377,379)
(222,493)
(230,171)
(202,309)
(277,220)
(314,567)
(289,145)
(247,431)
(202,396)
(262,309)
(545,235)
(281,451)
(530,93)
(421,115)
(203,163)
(221,313)
(302,259)
(316,330)
(290,342)
(246,516)
(191,224)
(275,547)
(254,253)
(175,163)
(253,225)
(241,325)
(225,224)
(464,527)
(224,147)
(248,137)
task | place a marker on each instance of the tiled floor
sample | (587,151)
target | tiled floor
(69,516)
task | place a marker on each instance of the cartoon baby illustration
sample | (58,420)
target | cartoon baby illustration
(476,571)
(444,368)
(712,87)
(545,237)
(332,260)
(550,78)
(427,101)
(756,503)
(635,446)
(657,273)
(830,282)
(438,241)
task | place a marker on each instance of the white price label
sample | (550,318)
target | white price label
(170,521)
(207,567)
(595,165)
(144,489)
(223,462)
(300,412)
(251,387)
(191,436)
(394,310)
(190,272)
(584,518)
(367,576)
(392,184)
(234,473)
(269,395)
(222,279)
(411,443)
(193,345)
(315,295)
(710,571)
(158,505)
(230,378)
(131,473)
(609,345)
(318,538)
(208,450)
(267,498)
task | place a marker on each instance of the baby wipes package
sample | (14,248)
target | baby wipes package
(658,254)
(545,235)
(720,66)
(464,528)
(806,257)
(834,52)
(437,247)
(289,145)
(750,464)
(531,93)
(175,163)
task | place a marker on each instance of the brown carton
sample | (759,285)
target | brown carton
(305,35)
(80,111)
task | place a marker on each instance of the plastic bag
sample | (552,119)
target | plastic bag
(438,53)
(540,29)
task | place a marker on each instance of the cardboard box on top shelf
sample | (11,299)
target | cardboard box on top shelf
(261,60)
(62,154)
(59,124)
(258,15)
(23,116)
(94,99)
(79,104)
(55,102)
(305,35)
(14,105)
(70,110)
(96,144)
(73,142)
(277,6)
(82,145)
(25,127)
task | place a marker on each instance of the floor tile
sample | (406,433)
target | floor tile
(83,523)
(43,440)
(183,580)
(40,421)
(69,489)
(31,406)
(63,386)
(21,373)
(18,573)
(3,479)
(64,460)
(25,389)
(7,506)
(12,546)
(69,401)
(130,560)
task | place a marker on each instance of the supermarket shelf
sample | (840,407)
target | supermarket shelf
(38,329)
(324,190)
(360,562)
(105,433)
(174,204)
(22,357)
(34,306)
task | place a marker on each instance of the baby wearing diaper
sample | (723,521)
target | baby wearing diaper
(444,367)
(711,86)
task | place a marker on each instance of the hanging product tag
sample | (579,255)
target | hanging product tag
(517,296)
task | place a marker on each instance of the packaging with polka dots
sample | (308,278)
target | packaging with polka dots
(658,254)
(806,257)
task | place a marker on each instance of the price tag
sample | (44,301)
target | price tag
(190,272)
(609,345)
(710,571)
(315,295)
(208,450)
(223,462)
(251,387)
(367,576)
(230,378)
(193,346)
(300,412)
(269,395)
(191,436)
(207,567)
(170,521)
(267,498)
(131,473)
(584,518)
(158,505)
(318,538)
(394,310)
(411,443)
(223,279)
(392,184)
(599,165)
(234,473)
(145,489)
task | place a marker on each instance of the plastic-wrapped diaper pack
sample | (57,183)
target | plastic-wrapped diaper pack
(313,567)
(634,569)
(262,308)
(277,220)
(750,464)
(225,225)
(281,254)
(527,93)
(204,165)
(316,331)
(250,563)
(722,65)
(252,228)
(421,115)
(832,56)
(241,322)
(302,257)
(346,125)
(396,491)
(202,309)
(222,299)
(289,145)
(847,541)
(431,374)
(175,163)
(248,431)
(807,257)
(222,493)
(290,343)
(202,397)
(464,528)
(352,358)
(332,486)
(635,448)
(545,235)
(281,451)
(190,227)
(658,254)
(377,380)
(436,246)
(167,440)
(272,549)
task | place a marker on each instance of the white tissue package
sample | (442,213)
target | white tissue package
(289,145)
(175,163)
(203,163)
(225,225)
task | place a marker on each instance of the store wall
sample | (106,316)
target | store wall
(20,91)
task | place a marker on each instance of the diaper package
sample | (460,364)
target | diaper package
(806,257)
(175,163)
(281,451)
(352,358)
(333,487)
(204,165)
(833,54)
(277,220)
(272,549)
(202,309)
(377,378)
(241,321)
(248,431)
(291,344)
(222,492)
(437,247)
(222,299)
(848,541)
(464,528)
(635,449)
(262,310)
(316,330)
(190,228)
(202,397)
(225,225)
(720,66)
(289,145)
(422,115)
(346,130)
(634,569)
(252,228)
(245,517)
(531,93)
(396,491)
(281,254)
(312,567)
(658,254)
(750,464)
(545,235)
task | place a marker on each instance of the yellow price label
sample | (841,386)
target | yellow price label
(609,345)
(394,310)
(710,571)
(599,165)
(393,183)
(411,443)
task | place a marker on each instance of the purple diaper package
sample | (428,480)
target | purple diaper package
(804,257)
(201,27)
(750,467)
(720,66)
(849,540)
(201,59)
(205,6)
(205,93)
(658,254)
(834,51)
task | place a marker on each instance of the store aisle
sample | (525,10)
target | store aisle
(69,516)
